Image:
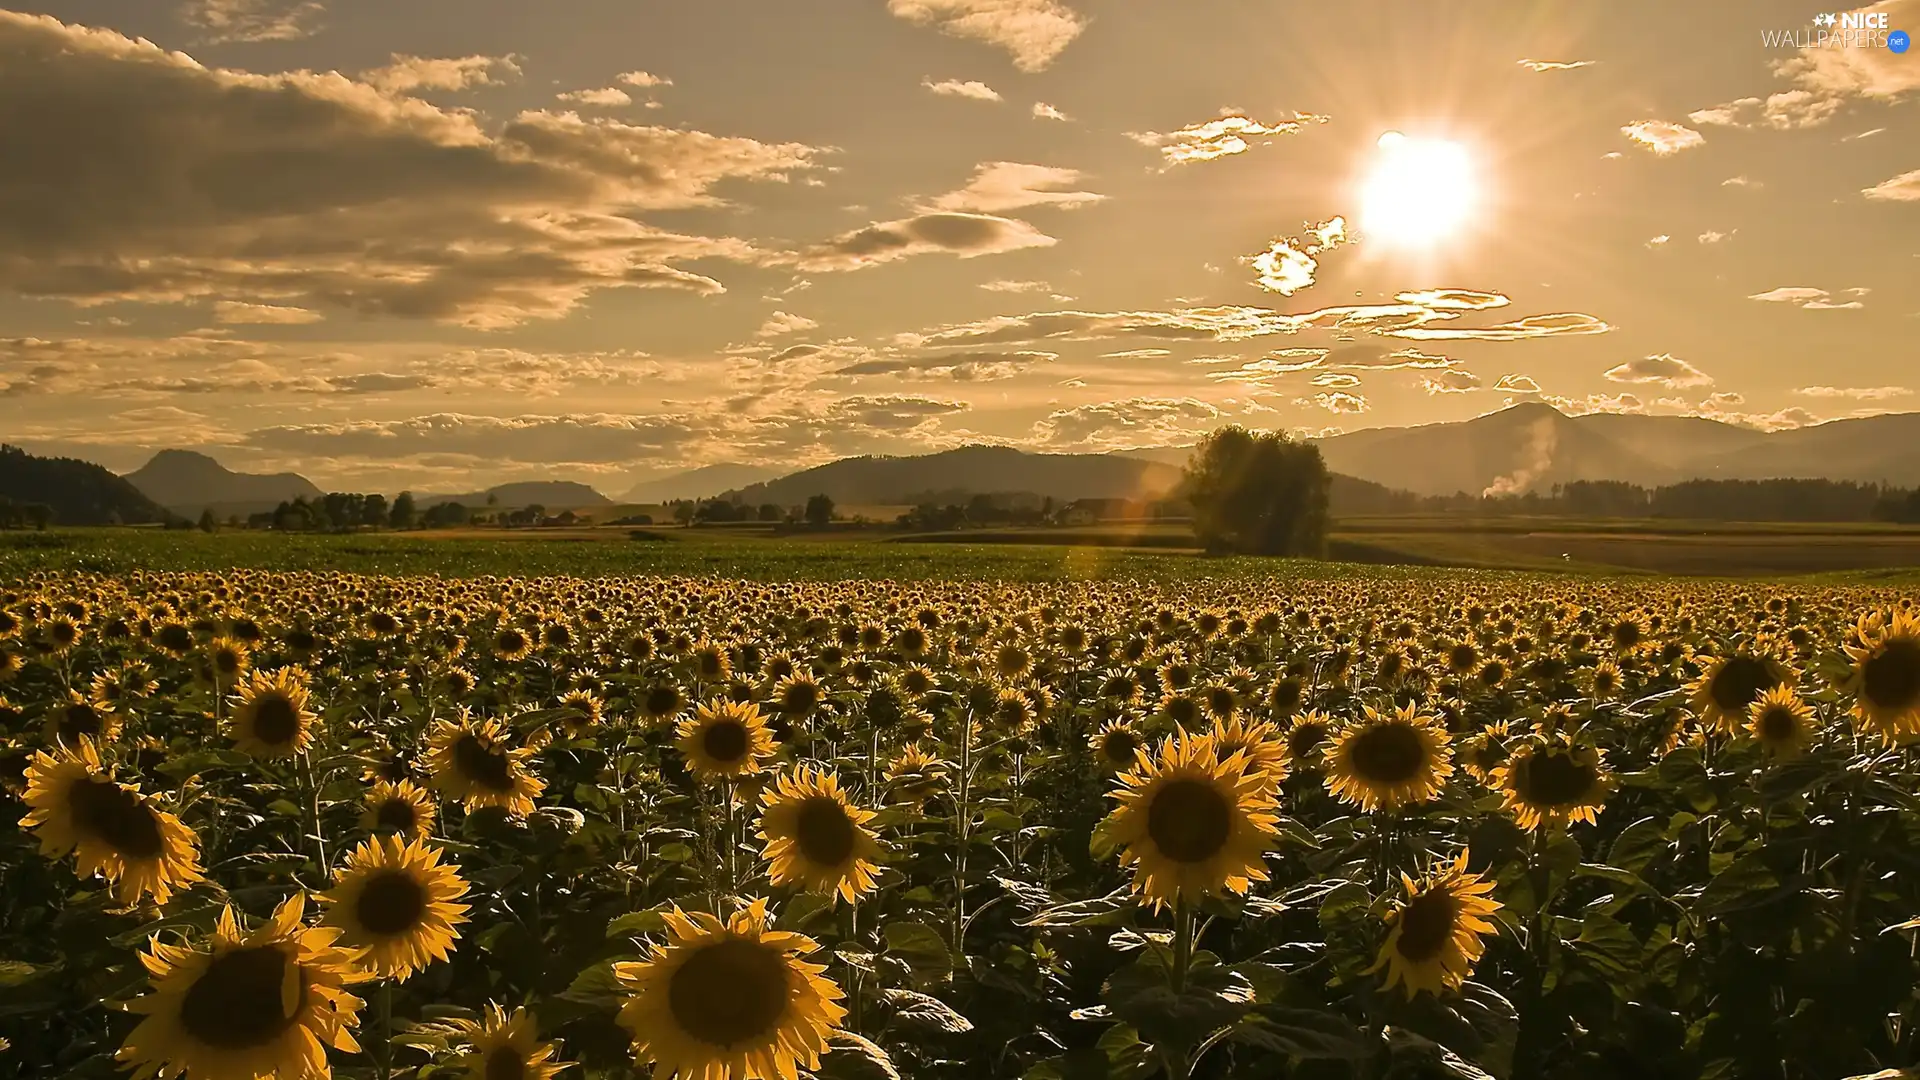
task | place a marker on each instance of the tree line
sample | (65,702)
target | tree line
(1785,499)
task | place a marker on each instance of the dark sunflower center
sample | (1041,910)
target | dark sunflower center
(800,697)
(391,902)
(1181,710)
(398,814)
(1221,701)
(1388,753)
(729,992)
(1555,780)
(1304,739)
(117,816)
(725,741)
(1286,695)
(1427,924)
(1740,682)
(482,764)
(823,832)
(1119,746)
(510,642)
(240,1001)
(1890,678)
(275,721)
(1189,821)
(662,701)
(79,719)
(1778,724)
(505,1063)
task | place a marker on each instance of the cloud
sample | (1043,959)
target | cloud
(1128,424)
(1339,401)
(231,313)
(1288,265)
(1856,393)
(953,367)
(1033,32)
(1876,73)
(1713,236)
(1517,384)
(780,323)
(1454,299)
(1668,371)
(1663,137)
(1555,65)
(1783,111)
(976,91)
(998,186)
(607,97)
(1533,326)
(1805,298)
(1335,380)
(1219,138)
(318,191)
(1450,381)
(407,74)
(892,412)
(1376,358)
(644,80)
(1005,286)
(1902,188)
(228,21)
(1596,403)
(1659,241)
(1740,181)
(1044,111)
(966,235)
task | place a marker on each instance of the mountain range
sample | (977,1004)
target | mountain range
(1527,447)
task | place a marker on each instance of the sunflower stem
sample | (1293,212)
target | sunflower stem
(961,824)
(1182,943)
(386,1029)
(311,789)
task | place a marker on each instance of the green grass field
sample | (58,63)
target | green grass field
(1374,548)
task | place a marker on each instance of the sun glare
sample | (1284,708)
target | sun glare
(1418,192)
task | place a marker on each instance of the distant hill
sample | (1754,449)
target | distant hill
(1533,446)
(552,494)
(984,469)
(187,483)
(701,483)
(79,492)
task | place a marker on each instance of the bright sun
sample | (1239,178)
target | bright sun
(1420,191)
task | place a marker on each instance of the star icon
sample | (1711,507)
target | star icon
(1823,19)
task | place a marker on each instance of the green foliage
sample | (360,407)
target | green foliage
(1258,494)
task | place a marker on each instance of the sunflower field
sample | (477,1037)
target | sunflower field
(301,825)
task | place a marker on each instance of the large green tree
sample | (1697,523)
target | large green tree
(1258,493)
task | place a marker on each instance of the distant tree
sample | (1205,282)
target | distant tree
(1258,493)
(771,512)
(374,511)
(403,512)
(819,510)
(683,511)
(208,523)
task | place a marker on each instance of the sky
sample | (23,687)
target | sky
(444,243)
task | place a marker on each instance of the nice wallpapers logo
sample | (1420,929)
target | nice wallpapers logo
(1847,30)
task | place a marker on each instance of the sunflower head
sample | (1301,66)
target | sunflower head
(1885,680)
(725,739)
(400,807)
(507,1046)
(75,805)
(472,760)
(1434,933)
(1115,746)
(1191,824)
(397,901)
(270,717)
(1305,737)
(1553,779)
(732,999)
(1384,761)
(1732,682)
(816,839)
(915,775)
(1782,721)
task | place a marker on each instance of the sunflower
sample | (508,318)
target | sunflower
(471,761)
(229,658)
(1192,825)
(507,1046)
(816,838)
(1258,744)
(729,1001)
(1885,680)
(265,1003)
(724,739)
(401,807)
(796,696)
(1782,721)
(583,711)
(1305,738)
(1486,750)
(662,701)
(110,827)
(915,775)
(270,718)
(1433,936)
(397,901)
(1553,779)
(1385,761)
(1115,746)
(77,718)
(1731,683)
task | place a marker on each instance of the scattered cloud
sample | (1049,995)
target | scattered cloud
(1784,111)
(644,80)
(1659,241)
(1033,32)
(1714,236)
(1663,137)
(1335,380)
(1533,326)
(407,74)
(1902,188)
(1874,73)
(951,367)
(1855,393)
(1867,134)
(999,186)
(227,21)
(1006,286)
(1219,138)
(1339,401)
(966,235)
(780,323)
(1450,381)
(1044,111)
(233,313)
(1740,181)
(1517,384)
(977,91)
(607,97)
(1288,265)
(1807,298)
(1555,65)
(1669,371)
